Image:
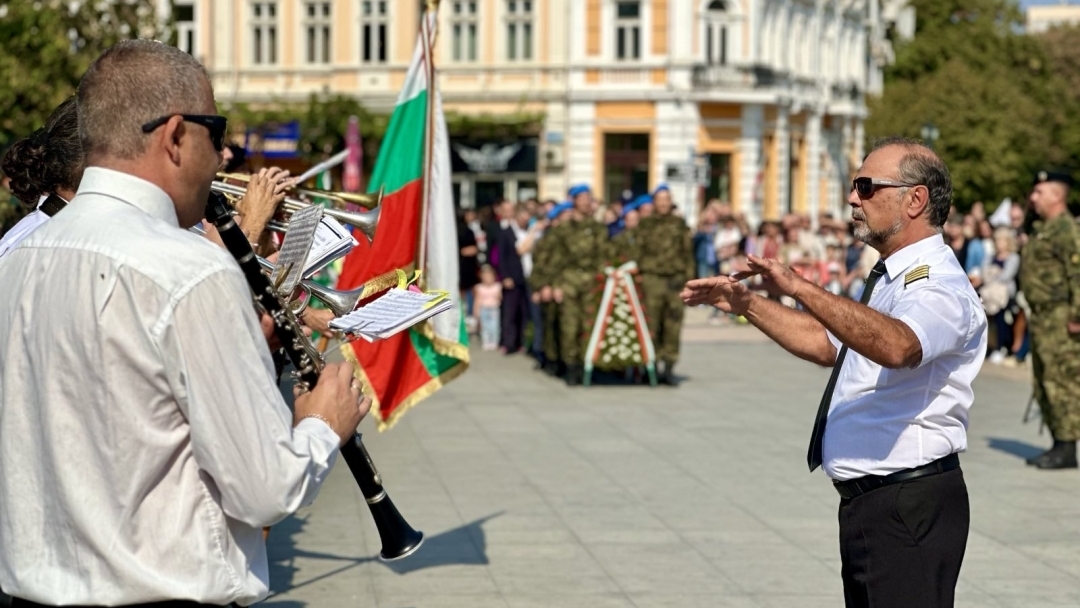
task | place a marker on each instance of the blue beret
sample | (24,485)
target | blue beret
(661,188)
(558,209)
(579,189)
(644,199)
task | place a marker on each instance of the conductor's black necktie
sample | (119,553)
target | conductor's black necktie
(813,455)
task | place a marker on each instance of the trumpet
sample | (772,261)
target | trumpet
(365,221)
(367,201)
(339,302)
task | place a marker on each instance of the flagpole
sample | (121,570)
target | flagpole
(429,128)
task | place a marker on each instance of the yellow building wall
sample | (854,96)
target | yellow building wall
(287,30)
(798,176)
(592,26)
(345,37)
(771,207)
(641,111)
(487,34)
(737,204)
(406,24)
(660,27)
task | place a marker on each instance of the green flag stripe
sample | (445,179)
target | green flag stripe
(401,155)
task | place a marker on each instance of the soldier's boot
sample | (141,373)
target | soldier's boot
(666,374)
(1061,456)
(551,368)
(574,375)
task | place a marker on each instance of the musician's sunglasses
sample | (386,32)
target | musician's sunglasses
(215,124)
(866,186)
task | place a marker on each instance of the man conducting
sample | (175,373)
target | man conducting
(1050,279)
(894,414)
(143,439)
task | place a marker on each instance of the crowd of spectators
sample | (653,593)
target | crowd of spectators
(987,246)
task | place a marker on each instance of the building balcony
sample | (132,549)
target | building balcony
(705,76)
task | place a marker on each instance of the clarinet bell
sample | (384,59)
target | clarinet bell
(399,539)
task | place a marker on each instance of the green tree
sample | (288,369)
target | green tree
(46,46)
(986,86)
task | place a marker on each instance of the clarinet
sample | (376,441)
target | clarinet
(399,539)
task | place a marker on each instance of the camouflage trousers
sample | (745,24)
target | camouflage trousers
(577,314)
(1055,357)
(550,314)
(664,311)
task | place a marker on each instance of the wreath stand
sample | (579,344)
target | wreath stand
(620,337)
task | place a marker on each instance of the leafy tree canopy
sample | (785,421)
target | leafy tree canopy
(994,93)
(47,45)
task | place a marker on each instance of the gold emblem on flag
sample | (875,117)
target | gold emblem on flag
(922,272)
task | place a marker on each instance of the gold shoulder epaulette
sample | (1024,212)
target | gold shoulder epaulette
(922,272)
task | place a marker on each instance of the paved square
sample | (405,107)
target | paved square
(532,494)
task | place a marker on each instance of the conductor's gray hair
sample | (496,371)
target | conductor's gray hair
(131,84)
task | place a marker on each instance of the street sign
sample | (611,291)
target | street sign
(688,172)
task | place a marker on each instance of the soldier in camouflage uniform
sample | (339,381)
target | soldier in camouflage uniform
(624,244)
(1050,279)
(580,247)
(665,257)
(540,281)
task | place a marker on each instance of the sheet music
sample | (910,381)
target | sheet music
(392,312)
(295,249)
(331,242)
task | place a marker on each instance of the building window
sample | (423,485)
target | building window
(716,33)
(184,13)
(317,28)
(627,30)
(464,21)
(519,30)
(264,33)
(373,28)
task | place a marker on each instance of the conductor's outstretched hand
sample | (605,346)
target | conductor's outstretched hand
(725,293)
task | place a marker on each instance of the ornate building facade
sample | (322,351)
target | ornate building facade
(756,102)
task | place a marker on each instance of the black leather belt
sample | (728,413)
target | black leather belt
(859,486)
(18,603)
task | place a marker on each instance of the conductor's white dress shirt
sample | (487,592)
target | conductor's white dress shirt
(885,420)
(143,440)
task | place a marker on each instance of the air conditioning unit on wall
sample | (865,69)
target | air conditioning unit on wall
(553,158)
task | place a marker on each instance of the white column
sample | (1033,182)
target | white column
(858,144)
(783,159)
(581,147)
(676,140)
(749,146)
(813,165)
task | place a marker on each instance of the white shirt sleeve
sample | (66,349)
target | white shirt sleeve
(241,428)
(940,316)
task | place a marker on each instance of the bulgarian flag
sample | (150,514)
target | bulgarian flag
(416,230)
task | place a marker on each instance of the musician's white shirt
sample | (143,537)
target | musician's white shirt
(143,438)
(23,228)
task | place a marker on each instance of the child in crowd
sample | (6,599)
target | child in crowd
(488,300)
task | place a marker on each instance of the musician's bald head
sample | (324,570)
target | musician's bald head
(130,84)
(142,108)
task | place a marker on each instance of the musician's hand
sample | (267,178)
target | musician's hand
(725,293)
(337,399)
(266,323)
(318,319)
(265,192)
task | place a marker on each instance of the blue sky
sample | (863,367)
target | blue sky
(1027,3)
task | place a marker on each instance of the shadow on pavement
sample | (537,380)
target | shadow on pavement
(1020,449)
(461,546)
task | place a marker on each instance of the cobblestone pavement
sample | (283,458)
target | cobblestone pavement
(533,494)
